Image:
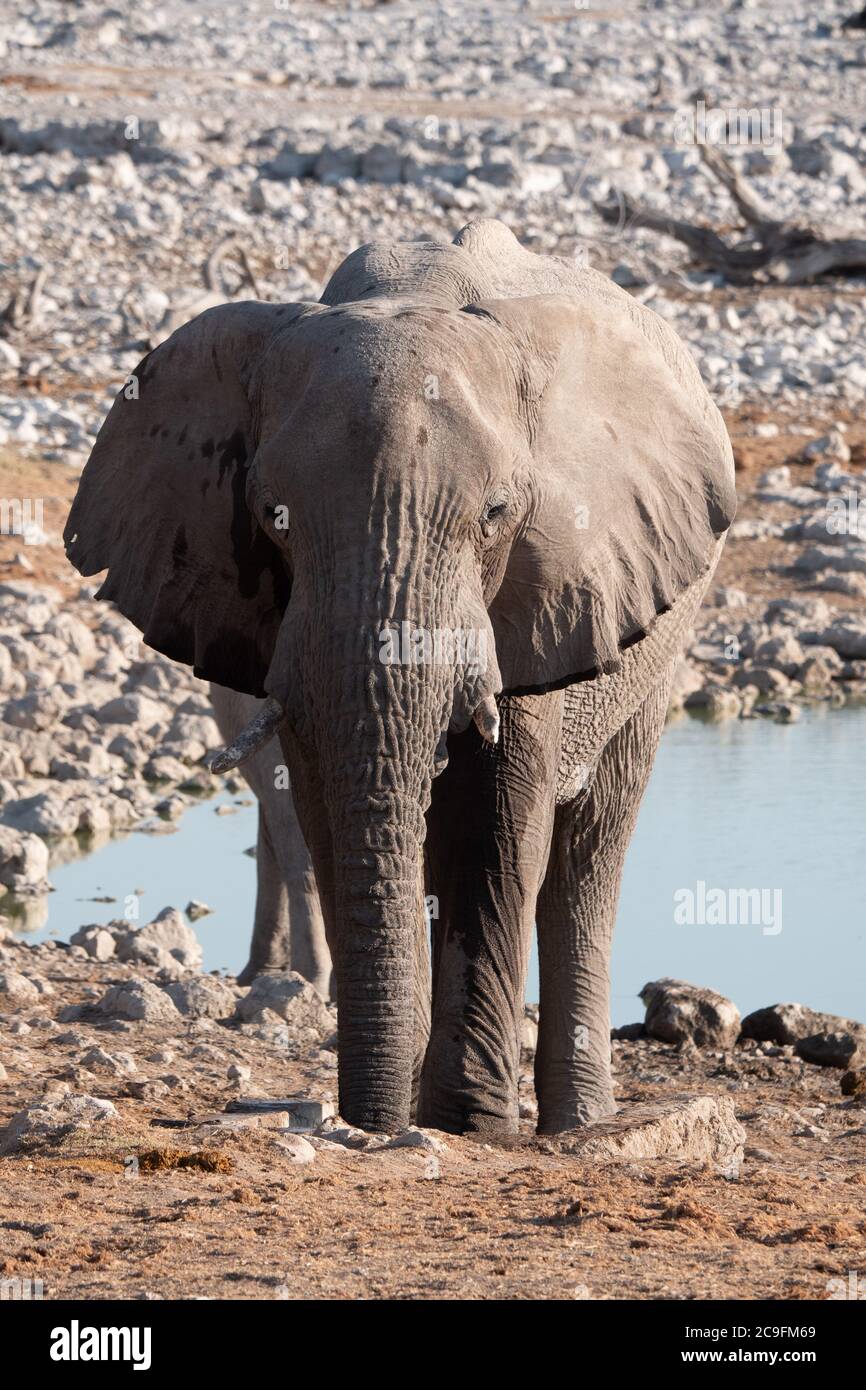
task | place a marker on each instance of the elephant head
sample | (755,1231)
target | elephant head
(466,472)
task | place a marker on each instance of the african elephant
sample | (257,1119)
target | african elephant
(288,928)
(454,520)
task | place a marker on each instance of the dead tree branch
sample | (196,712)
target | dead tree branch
(230,248)
(785,252)
(23,308)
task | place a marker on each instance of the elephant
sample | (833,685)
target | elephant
(451,524)
(288,927)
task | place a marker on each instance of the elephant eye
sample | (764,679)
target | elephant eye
(495,510)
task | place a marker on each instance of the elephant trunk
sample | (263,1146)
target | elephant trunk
(375,704)
(380,912)
(377,757)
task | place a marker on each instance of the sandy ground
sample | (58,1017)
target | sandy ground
(211,1211)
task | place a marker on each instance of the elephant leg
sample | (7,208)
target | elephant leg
(422,996)
(576,913)
(310,955)
(288,928)
(269,948)
(488,838)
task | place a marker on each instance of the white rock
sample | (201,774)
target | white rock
(205,996)
(132,709)
(17,989)
(289,997)
(23,861)
(95,940)
(167,942)
(828,446)
(117,1064)
(296,1148)
(139,1000)
(9,356)
(50,1120)
(414,1138)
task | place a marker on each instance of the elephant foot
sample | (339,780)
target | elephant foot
(574,1114)
(252,970)
(456,1114)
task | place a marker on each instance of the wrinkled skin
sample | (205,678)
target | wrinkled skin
(466,438)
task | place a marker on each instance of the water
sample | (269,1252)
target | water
(745,805)
(742,805)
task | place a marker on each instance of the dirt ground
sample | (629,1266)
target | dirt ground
(210,1211)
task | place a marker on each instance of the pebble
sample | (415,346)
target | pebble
(296,1148)
(413,1138)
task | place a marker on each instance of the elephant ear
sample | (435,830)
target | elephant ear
(630,484)
(161,504)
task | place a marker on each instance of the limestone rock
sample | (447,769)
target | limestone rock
(829,446)
(414,1138)
(529,1029)
(296,1148)
(289,997)
(698,1128)
(204,996)
(17,990)
(140,1001)
(97,941)
(49,1120)
(680,1012)
(115,1063)
(23,861)
(167,942)
(132,709)
(47,813)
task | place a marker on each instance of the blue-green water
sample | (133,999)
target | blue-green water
(738,806)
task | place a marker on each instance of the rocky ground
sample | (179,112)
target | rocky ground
(135,1163)
(133,146)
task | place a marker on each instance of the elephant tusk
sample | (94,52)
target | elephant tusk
(256,734)
(486,719)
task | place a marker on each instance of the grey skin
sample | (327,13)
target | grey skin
(460,437)
(288,927)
